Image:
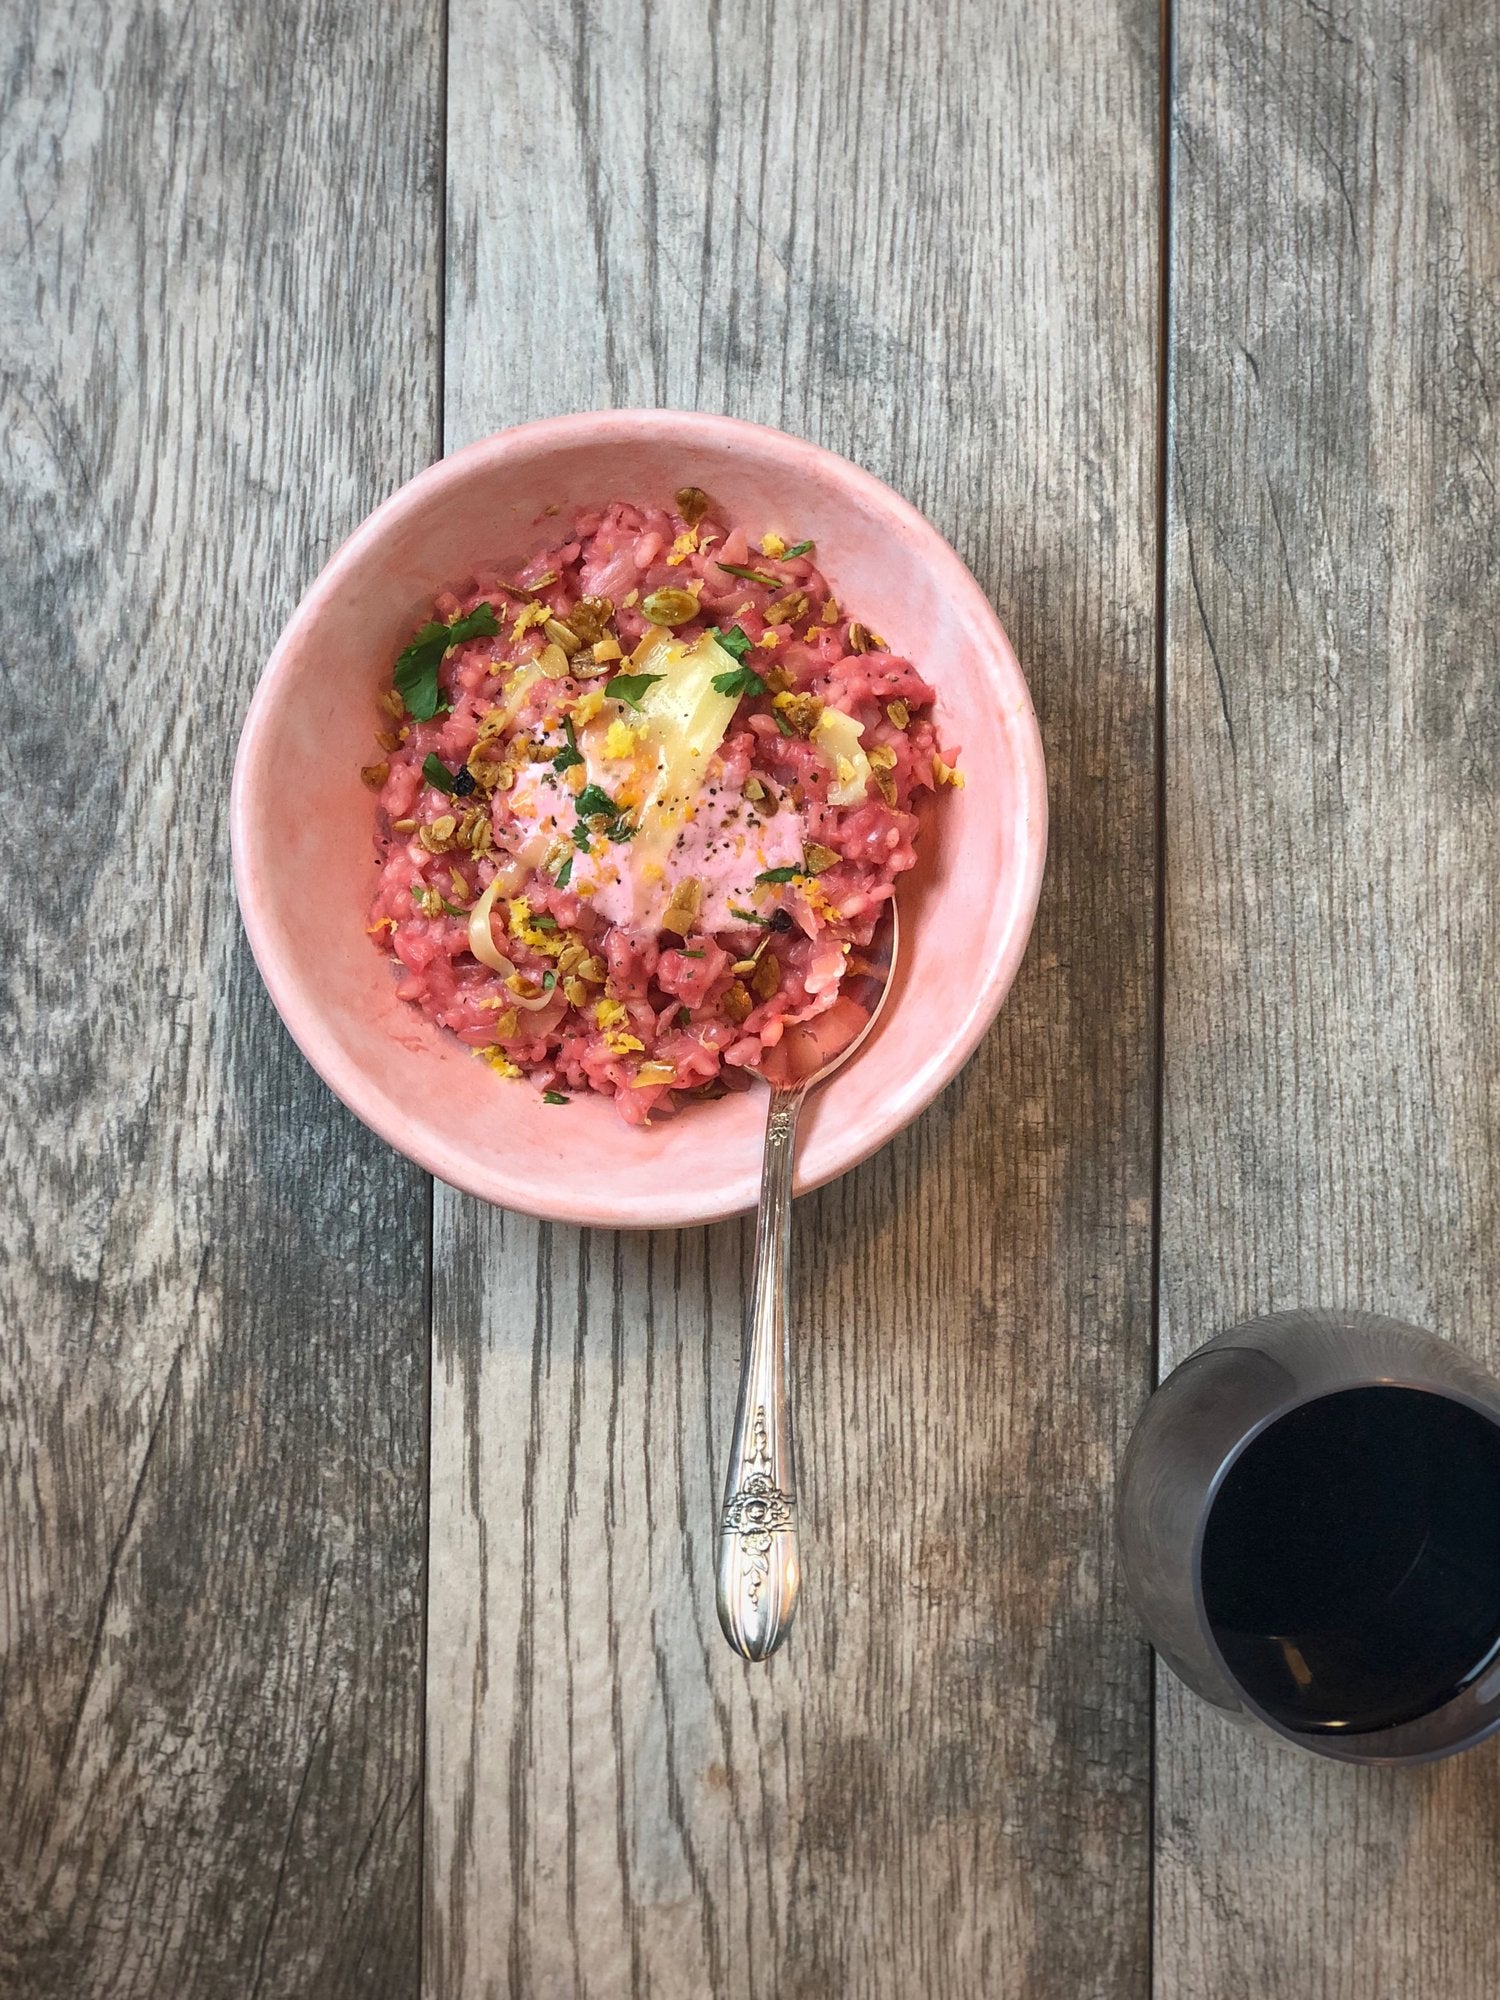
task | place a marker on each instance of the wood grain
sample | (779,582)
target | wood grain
(220,352)
(923,235)
(1333,1010)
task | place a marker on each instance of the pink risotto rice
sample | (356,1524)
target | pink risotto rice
(640,803)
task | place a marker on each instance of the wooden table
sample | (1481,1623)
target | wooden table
(355,1540)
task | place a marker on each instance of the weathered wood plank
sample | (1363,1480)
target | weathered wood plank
(218,294)
(1333,1008)
(925,236)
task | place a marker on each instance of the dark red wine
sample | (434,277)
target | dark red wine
(1351,1559)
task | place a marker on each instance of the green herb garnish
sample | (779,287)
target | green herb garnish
(436,772)
(777,874)
(739,680)
(781,722)
(553,1097)
(416,674)
(749,917)
(751,575)
(593,802)
(549,980)
(735,642)
(564,874)
(452,908)
(630,687)
(582,838)
(683,952)
(544,923)
(684,1017)
(566,759)
(797,549)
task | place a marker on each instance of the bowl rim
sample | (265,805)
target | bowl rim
(660,1208)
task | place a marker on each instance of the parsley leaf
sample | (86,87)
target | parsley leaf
(739,680)
(797,549)
(549,980)
(751,575)
(777,874)
(564,874)
(630,687)
(480,623)
(436,772)
(593,802)
(749,917)
(416,674)
(566,759)
(544,923)
(736,643)
(554,1097)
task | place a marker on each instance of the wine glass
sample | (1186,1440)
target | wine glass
(1309,1514)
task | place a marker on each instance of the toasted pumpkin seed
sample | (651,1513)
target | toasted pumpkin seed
(562,635)
(817,859)
(474,831)
(801,711)
(437,835)
(692,504)
(787,610)
(683,905)
(589,618)
(670,607)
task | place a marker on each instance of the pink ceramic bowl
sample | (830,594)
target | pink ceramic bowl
(305,876)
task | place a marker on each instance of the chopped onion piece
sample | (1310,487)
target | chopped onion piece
(482,938)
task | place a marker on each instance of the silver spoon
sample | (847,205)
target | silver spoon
(760,1570)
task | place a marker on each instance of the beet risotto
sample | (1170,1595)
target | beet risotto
(640,806)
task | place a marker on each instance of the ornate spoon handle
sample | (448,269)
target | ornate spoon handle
(759,1566)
